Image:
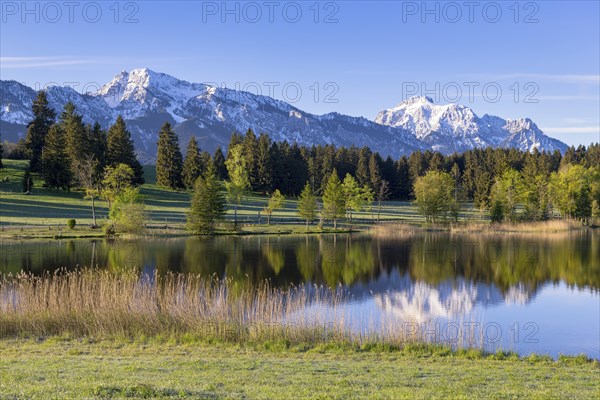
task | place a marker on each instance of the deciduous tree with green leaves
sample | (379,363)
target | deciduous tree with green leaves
(86,171)
(238,183)
(116,179)
(571,190)
(275,202)
(507,193)
(127,212)
(434,195)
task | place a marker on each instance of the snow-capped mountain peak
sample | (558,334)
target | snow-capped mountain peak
(147,99)
(456,128)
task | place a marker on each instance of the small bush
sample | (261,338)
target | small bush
(71,223)
(109,229)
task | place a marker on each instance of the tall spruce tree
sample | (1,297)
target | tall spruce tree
(55,162)
(37,130)
(169,162)
(205,160)
(403,189)
(250,151)
(120,149)
(78,145)
(375,172)
(264,164)
(192,165)
(98,146)
(307,205)
(208,203)
(219,163)
(362,170)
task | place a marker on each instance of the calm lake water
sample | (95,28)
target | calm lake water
(530,294)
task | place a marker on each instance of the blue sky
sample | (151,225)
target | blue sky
(536,59)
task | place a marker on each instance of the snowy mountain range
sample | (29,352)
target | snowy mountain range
(455,128)
(147,99)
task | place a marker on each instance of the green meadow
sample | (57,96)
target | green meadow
(68,368)
(45,211)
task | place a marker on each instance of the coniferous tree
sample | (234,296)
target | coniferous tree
(334,201)
(250,151)
(78,146)
(234,140)
(264,164)
(208,203)
(417,165)
(120,149)
(307,205)
(297,170)
(363,175)
(205,160)
(55,162)
(192,165)
(436,162)
(403,189)
(326,164)
(169,161)
(1,151)
(375,172)
(219,163)
(37,130)
(98,147)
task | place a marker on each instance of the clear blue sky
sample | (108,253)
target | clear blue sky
(363,56)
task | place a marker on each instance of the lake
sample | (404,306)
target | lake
(526,293)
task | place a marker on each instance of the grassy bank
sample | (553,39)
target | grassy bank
(65,369)
(41,213)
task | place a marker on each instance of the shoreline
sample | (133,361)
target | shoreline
(376,230)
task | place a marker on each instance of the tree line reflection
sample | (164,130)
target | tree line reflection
(331,260)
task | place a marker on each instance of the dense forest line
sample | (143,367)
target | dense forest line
(67,153)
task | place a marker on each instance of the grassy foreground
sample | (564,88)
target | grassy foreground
(65,369)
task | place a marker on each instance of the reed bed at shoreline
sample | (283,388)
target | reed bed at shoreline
(393,230)
(102,304)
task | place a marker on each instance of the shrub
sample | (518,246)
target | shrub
(71,223)
(127,213)
(109,229)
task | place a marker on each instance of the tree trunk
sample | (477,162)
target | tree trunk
(94,211)
(306,225)
(235,217)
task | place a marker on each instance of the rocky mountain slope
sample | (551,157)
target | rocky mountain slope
(147,99)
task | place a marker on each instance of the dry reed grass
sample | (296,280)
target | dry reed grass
(391,231)
(102,304)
